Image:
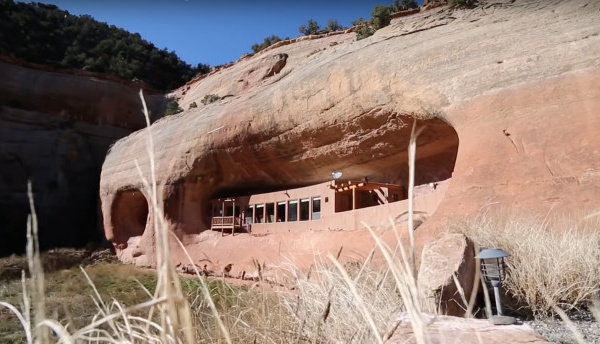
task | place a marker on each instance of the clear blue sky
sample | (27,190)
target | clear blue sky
(216,31)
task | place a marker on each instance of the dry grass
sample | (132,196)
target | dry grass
(250,315)
(325,308)
(68,295)
(357,302)
(337,304)
(552,266)
(168,317)
(553,263)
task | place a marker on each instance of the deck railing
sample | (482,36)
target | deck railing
(225,222)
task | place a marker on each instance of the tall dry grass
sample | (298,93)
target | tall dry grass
(553,262)
(357,302)
(325,308)
(168,318)
(338,304)
(335,302)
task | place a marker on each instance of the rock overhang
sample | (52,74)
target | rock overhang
(351,105)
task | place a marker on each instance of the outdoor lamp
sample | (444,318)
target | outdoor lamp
(493,270)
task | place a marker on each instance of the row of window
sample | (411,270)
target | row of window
(286,211)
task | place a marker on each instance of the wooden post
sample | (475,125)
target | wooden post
(233,224)
(353,198)
(222,215)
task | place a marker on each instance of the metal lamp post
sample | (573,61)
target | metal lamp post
(493,270)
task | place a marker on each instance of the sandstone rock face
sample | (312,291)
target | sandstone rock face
(508,92)
(55,129)
(448,256)
(449,330)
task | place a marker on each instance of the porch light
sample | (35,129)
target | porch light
(493,270)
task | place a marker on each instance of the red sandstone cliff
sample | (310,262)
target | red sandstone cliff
(55,129)
(508,91)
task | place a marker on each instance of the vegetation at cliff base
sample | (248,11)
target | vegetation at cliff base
(44,34)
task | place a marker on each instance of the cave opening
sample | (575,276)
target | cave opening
(130,215)
(375,174)
(381,158)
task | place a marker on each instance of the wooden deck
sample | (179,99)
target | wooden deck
(225,223)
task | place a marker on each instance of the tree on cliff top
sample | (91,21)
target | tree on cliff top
(267,42)
(380,17)
(402,5)
(333,25)
(311,28)
(45,34)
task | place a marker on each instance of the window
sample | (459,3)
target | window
(304,209)
(248,214)
(270,212)
(281,211)
(293,211)
(260,213)
(316,208)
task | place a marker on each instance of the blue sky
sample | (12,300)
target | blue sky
(216,31)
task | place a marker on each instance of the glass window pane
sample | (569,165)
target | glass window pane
(260,213)
(304,209)
(270,212)
(316,208)
(281,211)
(248,214)
(293,211)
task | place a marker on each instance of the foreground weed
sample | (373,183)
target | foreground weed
(553,263)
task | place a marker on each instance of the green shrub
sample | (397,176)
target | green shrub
(45,34)
(172,107)
(333,25)
(193,105)
(210,98)
(462,2)
(267,42)
(380,17)
(363,29)
(403,5)
(310,29)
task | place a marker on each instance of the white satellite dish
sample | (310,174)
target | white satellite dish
(336,175)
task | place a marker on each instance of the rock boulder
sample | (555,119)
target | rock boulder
(446,262)
(453,330)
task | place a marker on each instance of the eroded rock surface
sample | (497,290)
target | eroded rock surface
(508,92)
(453,330)
(447,270)
(55,130)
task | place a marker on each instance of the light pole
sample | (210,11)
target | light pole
(493,270)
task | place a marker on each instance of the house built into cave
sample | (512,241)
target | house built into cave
(234,194)
(334,205)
